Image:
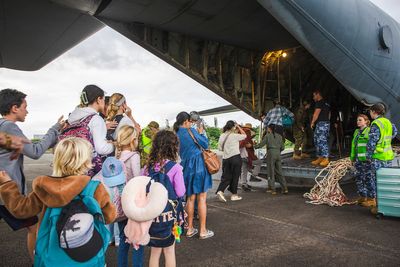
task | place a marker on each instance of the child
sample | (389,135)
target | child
(165,150)
(72,160)
(364,181)
(275,145)
(126,151)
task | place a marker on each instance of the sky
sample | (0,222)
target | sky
(153,89)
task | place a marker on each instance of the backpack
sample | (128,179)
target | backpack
(163,225)
(110,132)
(81,129)
(77,247)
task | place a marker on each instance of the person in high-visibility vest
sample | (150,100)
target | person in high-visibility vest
(379,147)
(146,140)
(364,181)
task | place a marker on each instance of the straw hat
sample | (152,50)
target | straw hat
(248,125)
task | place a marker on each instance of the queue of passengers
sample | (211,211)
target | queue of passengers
(100,152)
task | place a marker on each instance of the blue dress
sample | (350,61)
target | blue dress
(197,178)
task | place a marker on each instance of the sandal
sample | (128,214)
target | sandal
(191,233)
(207,235)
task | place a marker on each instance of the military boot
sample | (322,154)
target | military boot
(317,161)
(360,200)
(369,203)
(324,162)
(296,156)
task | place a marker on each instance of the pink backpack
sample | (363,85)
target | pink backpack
(81,130)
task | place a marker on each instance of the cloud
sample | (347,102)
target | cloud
(154,89)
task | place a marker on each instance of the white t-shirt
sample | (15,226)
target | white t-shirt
(231,147)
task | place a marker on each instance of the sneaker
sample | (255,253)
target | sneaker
(285,191)
(317,161)
(255,178)
(246,188)
(273,192)
(236,198)
(221,196)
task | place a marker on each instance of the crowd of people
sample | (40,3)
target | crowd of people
(100,149)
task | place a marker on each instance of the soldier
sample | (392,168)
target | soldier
(321,125)
(299,133)
(275,145)
(364,181)
(379,147)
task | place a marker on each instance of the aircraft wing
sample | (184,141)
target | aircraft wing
(33,33)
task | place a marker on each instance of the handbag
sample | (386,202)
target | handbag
(213,164)
(287,121)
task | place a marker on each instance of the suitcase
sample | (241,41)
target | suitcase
(388,192)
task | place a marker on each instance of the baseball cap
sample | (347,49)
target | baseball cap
(113,172)
(77,233)
(90,93)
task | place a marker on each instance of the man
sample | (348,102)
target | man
(320,123)
(275,116)
(13,108)
(146,140)
(247,154)
(299,132)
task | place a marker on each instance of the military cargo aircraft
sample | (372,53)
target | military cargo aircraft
(248,52)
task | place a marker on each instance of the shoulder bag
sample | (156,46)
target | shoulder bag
(210,158)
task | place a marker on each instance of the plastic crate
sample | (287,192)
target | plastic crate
(388,191)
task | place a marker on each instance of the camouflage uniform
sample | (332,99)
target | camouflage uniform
(321,134)
(374,136)
(365,183)
(300,137)
(366,186)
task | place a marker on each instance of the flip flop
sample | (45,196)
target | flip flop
(207,235)
(192,233)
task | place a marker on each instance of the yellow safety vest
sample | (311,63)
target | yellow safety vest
(383,150)
(146,141)
(361,145)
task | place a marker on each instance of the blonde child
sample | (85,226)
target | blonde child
(126,151)
(72,161)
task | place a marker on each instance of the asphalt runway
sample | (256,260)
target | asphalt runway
(262,230)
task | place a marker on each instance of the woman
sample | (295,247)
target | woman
(364,181)
(197,178)
(379,147)
(86,116)
(119,112)
(231,160)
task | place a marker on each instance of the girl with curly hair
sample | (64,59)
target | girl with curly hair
(162,158)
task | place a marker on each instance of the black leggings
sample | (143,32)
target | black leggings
(231,170)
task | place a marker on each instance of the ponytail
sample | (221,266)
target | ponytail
(180,119)
(116,101)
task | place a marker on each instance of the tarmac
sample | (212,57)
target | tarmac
(262,230)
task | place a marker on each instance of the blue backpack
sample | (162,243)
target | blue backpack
(49,243)
(161,228)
